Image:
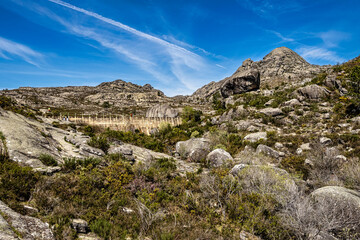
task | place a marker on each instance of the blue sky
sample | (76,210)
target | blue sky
(176,46)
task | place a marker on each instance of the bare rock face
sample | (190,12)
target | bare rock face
(312,92)
(240,82)
(280,65)
(27,139)
(28,227)
(283,63)
(162,111)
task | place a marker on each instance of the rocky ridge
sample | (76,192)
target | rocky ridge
(280,65)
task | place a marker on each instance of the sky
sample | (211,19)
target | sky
(176,46)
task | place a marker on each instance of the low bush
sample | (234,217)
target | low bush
(100,142)
(16,183)
(73,163)
(48,160)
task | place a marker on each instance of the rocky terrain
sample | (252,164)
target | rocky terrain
(116,94)
(282,65)
(272,152)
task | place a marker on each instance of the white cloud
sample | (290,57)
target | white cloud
(166,61)
(9,49)
(122,26)
(284,39)
(332,38)
(318,53)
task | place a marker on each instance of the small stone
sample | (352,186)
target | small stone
(299,151)
(344,125)
(325,141)
(305,146)
(127,210)
(80,225)
(268,103)
(308,162)
(279,145)
(341,158)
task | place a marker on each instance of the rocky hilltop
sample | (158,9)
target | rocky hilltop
(118,94)
(280,65)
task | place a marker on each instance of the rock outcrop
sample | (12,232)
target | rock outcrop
(280,65)
(162,111)
(240,82)
(16,226)
(338,194)
(311,92)
(218,157)
(194,149)
(28,139)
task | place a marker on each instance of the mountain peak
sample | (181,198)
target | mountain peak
(285,55)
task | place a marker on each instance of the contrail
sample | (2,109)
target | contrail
(123,26)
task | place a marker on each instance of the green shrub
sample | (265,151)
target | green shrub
(218,104)
(296,164)
(100,142)
(165,164)
(101,227)
(73,163)
(47,160)
(191,115)
(16,182)
(319,79)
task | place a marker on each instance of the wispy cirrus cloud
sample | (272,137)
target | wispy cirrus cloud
(269,8)
(150,53)
(282,37)
(319,53)
(10,49)
(332,38)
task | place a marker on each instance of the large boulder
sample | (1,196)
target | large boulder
(162,111)
(311,92)
(272,112)
(196,148)
(265,179)
(254,137)
(13,224)
(266,150)
(218,157)
(338,194)
(241,82)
